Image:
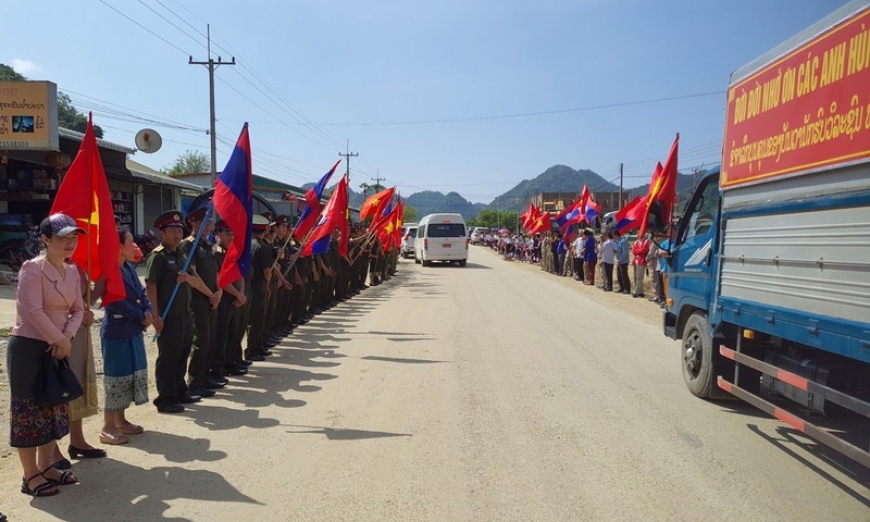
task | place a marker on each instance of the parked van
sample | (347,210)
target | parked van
(409,234)
(441,237)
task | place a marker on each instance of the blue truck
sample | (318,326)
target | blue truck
(768,284)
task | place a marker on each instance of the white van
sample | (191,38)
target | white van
(441,237)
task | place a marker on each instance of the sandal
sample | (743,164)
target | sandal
(130,429)
(45,489)
(113,438)
(66,477)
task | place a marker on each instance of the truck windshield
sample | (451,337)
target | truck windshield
(702,214)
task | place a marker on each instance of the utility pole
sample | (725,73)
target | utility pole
(620,186)
(378,179)
(347,155)
(212,65)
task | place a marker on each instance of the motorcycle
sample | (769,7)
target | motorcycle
(15,251)
(146,243)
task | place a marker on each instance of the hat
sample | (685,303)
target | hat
(268,215)
(260,223)
(197,215)
(59,225)
(281,220)
(221,225)
(171,218)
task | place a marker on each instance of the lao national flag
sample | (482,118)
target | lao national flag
(309,216)
(334,216)
(232,200)
(572,214)
(84,196)
(588,206)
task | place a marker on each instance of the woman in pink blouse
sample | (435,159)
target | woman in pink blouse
(49,312)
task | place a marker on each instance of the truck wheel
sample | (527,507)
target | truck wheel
(699,361)
(416,260)
(462,262)
(426,262)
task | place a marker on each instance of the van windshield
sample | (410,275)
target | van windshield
(446,230)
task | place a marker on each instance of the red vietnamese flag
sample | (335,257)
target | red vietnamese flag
(334,216)
(541,224)
(375,204)
(531,216)
(662,191)
(84,195)
(385,228)
(400,220)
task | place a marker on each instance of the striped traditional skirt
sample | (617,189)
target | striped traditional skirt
(125,372)
(30,424)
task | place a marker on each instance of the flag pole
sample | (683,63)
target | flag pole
(186,264)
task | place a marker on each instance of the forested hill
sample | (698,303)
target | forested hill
(558,178)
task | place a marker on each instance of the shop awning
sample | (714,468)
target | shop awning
(143,173)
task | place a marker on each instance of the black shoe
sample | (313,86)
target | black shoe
(254,357)
(191,398)
(235,370)
(243,362)
(78,453)
(213,384)
(203,393)
(62,465)
(265,351)
(607,289)
(170,408)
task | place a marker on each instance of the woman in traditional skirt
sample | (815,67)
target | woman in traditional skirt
(49,312)
(125,372)
(81,362)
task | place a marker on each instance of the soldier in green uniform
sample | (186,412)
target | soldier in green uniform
(163,271)
(261,277)
(229,312)
(283,250)
(203,304)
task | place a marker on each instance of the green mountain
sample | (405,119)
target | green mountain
(430,202)
(558,178)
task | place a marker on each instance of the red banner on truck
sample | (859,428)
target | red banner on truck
(807,110)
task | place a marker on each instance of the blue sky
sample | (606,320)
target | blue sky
(469,96)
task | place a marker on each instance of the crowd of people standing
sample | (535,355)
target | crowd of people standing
(206,333)
(586,258)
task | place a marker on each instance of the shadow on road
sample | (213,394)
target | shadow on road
(344,434)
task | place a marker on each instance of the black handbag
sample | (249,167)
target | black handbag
(57,383)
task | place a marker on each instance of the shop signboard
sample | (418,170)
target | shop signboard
(28,116)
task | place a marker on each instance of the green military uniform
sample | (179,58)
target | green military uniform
(174,342)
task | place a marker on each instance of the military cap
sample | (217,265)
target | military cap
(281,220)
(267,215)
(171,218)
(260,223)
(221,225)
(197,215)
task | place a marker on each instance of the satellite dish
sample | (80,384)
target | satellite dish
(147,140)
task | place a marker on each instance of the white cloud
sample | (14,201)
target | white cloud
(24,67)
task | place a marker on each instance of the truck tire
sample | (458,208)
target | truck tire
(426,262)
(416,260)
(698,360)
(462,262)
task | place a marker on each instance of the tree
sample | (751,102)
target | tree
(67,115)
(191,162)
(375,188)
(409,215)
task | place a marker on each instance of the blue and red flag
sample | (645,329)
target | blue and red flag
(625,217)
(233,191)
(588,207)
(334,216)
(572,214)
(309,216)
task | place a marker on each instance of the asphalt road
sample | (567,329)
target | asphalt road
(493,392)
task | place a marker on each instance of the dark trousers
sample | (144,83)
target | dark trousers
(622,277)
(173,349)
(226,330)
(256,320)
(204,323)
(608,276)
(578,268)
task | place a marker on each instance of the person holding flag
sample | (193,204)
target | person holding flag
(172,318)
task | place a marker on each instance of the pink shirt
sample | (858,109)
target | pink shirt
(49,307)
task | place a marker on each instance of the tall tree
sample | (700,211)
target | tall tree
(409,214)
(190,162)
(67,115)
